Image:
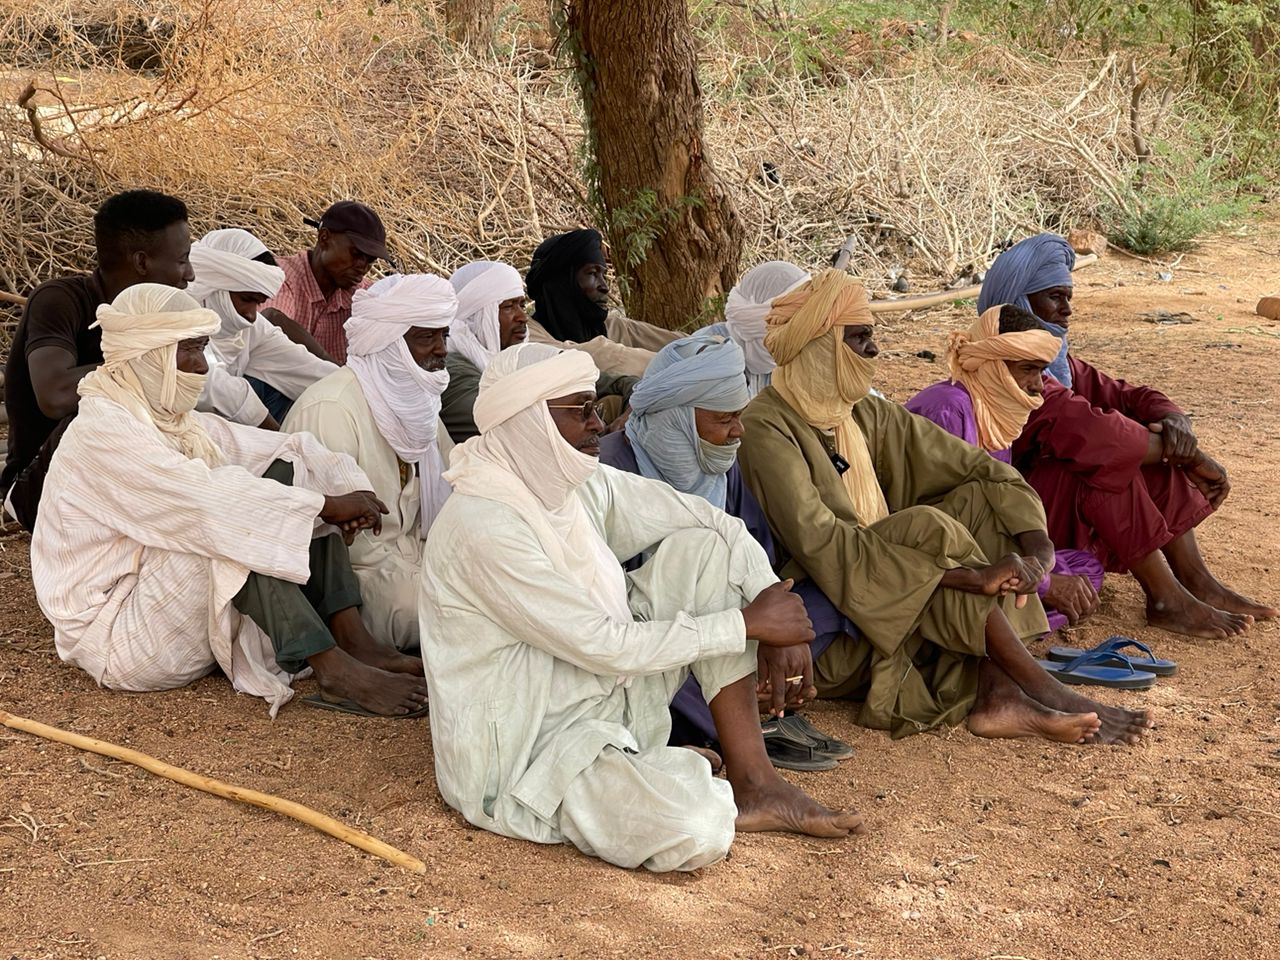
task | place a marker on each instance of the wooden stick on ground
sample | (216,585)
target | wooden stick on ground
(13,298)
(311,818)
(924,300)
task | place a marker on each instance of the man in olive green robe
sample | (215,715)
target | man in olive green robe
(932,549)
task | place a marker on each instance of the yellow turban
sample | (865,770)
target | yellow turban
(821,378)
(977,361)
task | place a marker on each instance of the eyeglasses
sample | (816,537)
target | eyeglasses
(586,410)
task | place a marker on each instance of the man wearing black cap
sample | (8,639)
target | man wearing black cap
(318,283)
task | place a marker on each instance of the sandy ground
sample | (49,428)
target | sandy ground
(976,849)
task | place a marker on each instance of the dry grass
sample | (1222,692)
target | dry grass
(258,114)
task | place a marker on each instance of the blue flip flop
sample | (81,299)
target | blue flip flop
(1148,661)
(1098,669)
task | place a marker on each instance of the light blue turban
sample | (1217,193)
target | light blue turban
(698,371)
(1035,264)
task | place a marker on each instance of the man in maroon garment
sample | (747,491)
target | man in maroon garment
(1119,468)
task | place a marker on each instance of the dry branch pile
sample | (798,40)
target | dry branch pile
(257,114)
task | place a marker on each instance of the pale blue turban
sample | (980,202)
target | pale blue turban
(698,371)
(1035,264)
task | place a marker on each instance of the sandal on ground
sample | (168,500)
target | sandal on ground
(788,752)
(353,708)
(801,728)
(1148,661)
(1100,670)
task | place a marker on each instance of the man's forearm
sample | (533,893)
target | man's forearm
(297,333)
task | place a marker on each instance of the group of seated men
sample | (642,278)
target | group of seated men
(229,462)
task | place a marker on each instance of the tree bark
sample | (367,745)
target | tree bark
(470,22)
(674,235)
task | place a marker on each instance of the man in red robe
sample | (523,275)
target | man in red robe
(1119,468)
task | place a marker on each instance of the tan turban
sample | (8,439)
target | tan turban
(821,378)
(141,329)
(977,361)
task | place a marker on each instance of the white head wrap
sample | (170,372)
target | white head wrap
(481,285)
(223,263)
(748,303)
(521,459)
(141,329)
(404,398)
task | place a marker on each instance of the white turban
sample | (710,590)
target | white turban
(481,286)
(223,264)
(748,303)
(141,330)
(521,459)
(403,398)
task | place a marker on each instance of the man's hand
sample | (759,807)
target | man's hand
(1072,596)
(776,671)
(777,617)
(1178,439)
(353,512)
(1210,478)
(1036,544)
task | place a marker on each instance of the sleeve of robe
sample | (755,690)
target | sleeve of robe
(1104,446)
(274,358)
(607,354)
(232,397)
(457,404)
(183,506)
(637,333)
(501,568)
(1143,404)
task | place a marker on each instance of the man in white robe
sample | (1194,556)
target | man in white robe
(249,357)
(383,409)
(161,550)
(551,671)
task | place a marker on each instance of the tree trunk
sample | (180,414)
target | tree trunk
(673,233)
(470,22)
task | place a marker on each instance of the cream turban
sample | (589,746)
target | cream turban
(977,361)
(223,264)
(521,459)
(141,330)
(821,378)
(403,398)
(481,286)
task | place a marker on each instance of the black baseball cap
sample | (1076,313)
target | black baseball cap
(360,223)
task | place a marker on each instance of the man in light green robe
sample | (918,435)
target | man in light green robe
(937,568)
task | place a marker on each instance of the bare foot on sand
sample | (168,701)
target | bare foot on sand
(1196,619)
(1117,724)
(1221,597)
(1017,715)
(343,677)
(777,805)
(353,637)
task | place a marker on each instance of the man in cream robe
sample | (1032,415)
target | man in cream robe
(383,409)
(551,671)
(162,551)
(930,547)
(235,274)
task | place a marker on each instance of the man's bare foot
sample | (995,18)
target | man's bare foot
(353,637)
(343,677)
(776,805)
(1017,715)
(1117,724)
(1196,619)
(1221,597)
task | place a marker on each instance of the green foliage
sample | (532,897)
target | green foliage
(638,224)
(1162,214)
(1047,25)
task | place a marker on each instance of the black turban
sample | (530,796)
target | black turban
(558,302)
